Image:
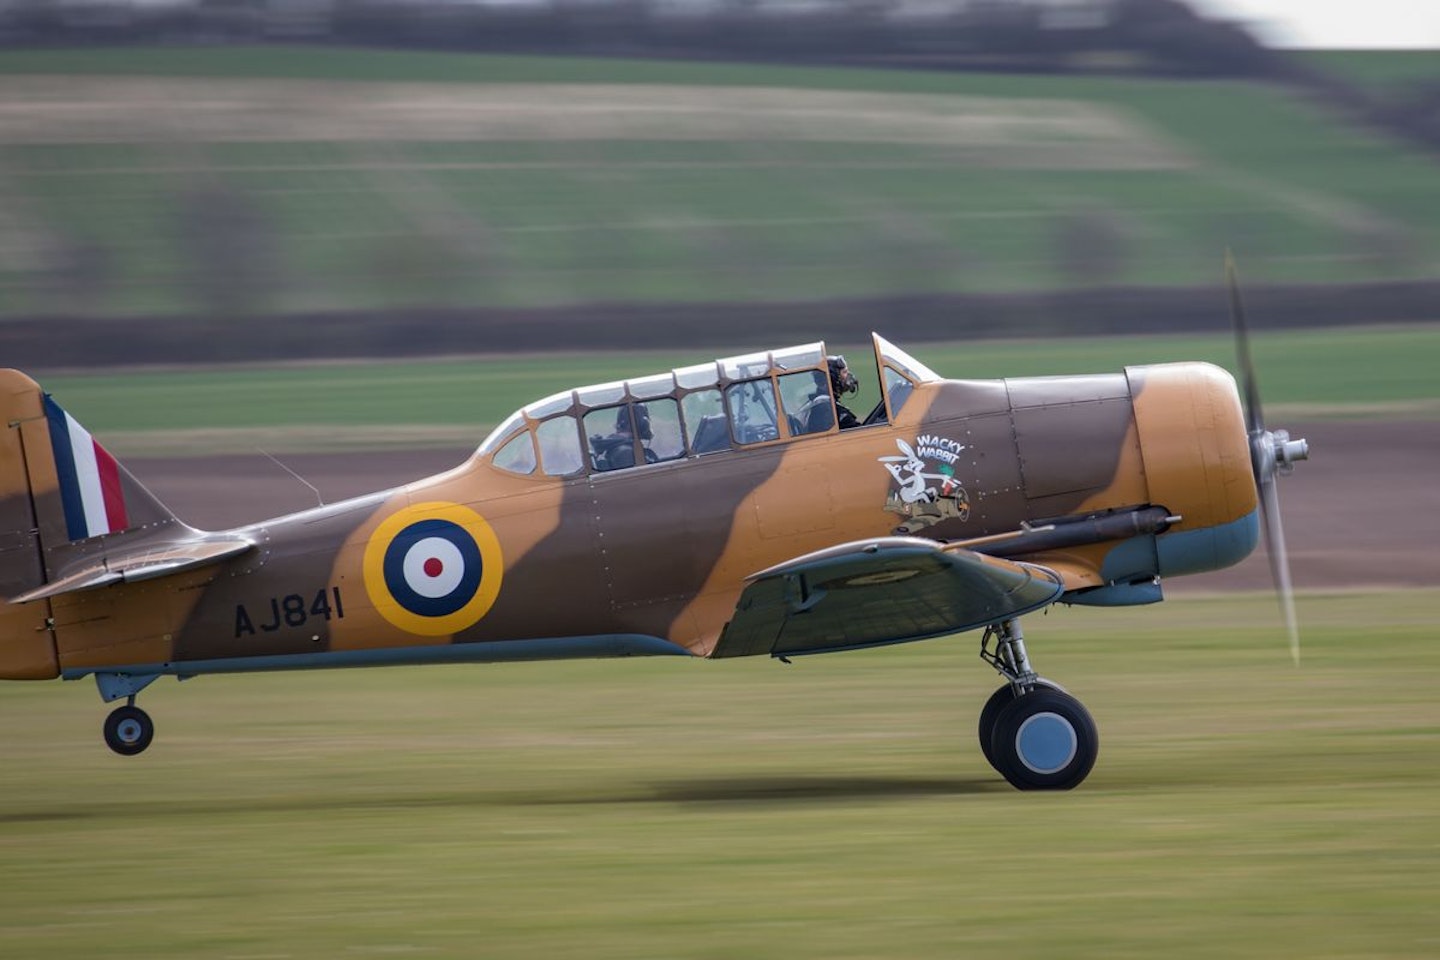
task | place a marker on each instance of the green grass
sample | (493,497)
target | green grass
(1344,372)
(1302,197)
(836,808)
(1382,69)
(336,63)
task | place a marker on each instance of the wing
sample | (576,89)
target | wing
(873,592)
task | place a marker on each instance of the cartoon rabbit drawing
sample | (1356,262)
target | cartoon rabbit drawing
(917,499)
(909,473)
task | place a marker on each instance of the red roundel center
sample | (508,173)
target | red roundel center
(433,567)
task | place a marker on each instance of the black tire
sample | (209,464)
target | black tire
(991,711)
(1045,740)
(1000,699)
(128,731)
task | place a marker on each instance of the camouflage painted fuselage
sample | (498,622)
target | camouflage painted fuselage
(486,563)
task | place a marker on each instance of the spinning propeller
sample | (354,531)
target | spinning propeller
(1272,453)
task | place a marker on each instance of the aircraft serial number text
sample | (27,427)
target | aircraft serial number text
(291,610)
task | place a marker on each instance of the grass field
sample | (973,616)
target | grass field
(836,808)
(187,222)
(1339,372)
(1385,70)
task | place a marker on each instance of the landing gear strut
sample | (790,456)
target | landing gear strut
(129,730)
(1033,733)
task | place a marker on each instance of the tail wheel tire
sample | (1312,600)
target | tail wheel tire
(991,711)
(129,730)
(1045,740)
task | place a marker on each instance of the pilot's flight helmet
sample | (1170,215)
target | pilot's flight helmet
(842,381)
(642,421)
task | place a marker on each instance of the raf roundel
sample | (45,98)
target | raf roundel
(433,568)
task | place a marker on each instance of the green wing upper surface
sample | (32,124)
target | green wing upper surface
(872,592)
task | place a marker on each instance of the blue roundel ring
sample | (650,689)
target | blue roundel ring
(453,599)
(433,569)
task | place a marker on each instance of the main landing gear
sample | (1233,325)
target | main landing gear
(1032,732)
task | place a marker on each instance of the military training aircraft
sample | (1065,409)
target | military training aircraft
(727,509)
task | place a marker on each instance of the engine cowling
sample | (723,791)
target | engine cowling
(1196,456)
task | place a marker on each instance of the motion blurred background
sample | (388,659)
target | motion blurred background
(358,233)
(262,179)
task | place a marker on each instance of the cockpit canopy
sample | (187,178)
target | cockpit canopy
(758,398)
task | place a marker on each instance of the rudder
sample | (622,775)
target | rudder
(27,640)
(64,500)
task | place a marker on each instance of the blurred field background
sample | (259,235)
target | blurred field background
(241,181)
(168,209)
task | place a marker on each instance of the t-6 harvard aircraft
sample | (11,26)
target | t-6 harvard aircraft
(728,509)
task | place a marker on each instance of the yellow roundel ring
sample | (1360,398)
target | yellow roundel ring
(433,568)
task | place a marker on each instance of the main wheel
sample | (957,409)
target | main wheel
(991,711)
(1045,740)
(128,730)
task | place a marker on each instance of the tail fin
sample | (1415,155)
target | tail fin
(64,500)
(97,495)
(80,491)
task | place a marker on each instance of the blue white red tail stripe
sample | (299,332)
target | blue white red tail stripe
(89,478)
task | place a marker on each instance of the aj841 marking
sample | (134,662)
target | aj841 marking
(291,610)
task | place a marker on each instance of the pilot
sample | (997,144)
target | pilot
(842,381)
(821,412)
(617,450)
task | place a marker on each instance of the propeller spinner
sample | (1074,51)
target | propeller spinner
(1272,454)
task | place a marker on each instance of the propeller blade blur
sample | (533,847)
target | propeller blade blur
(1254,418)
(1271,454)
(1280,563)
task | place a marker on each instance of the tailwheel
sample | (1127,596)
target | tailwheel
(1044,740)
(129,730)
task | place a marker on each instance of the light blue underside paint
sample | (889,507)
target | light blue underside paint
(1133,559)
(559,648)
(1118,595)
(113,686)
(1213,548)
(1179,552)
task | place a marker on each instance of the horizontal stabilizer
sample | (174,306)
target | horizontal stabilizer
(872,592)
(144,563)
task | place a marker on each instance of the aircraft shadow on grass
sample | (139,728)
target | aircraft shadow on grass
(713,790)
(809,789)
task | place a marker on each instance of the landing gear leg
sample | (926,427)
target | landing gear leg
(129,730)
(1009,659)
(1033,733)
